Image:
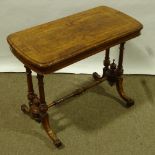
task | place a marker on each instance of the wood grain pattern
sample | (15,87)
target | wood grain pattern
(54,45)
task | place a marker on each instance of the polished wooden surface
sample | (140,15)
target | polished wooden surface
(54,45)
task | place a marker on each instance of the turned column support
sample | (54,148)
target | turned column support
(106,61)
(120,61)
(43,106)
(30,85)
(34,102)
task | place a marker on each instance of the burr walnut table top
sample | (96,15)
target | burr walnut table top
(54,45)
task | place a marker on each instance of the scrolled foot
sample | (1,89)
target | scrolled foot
(57,143)
(129,103)
(50,132)
(119,86)
(96,76)
(25,109)
(31,112)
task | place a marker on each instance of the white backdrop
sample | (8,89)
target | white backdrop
(16,15)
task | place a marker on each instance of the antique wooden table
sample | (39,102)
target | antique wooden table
(57,44)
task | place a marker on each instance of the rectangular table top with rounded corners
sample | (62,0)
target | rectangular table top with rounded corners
(57,44)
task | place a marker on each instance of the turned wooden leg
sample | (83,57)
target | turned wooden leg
(119,80)
(34,102)
(106,62)
(30,95)
(96,76)
(43,112)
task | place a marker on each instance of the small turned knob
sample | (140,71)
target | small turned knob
(113,65)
